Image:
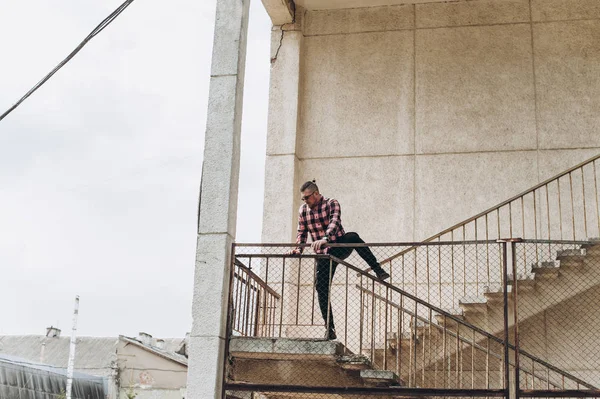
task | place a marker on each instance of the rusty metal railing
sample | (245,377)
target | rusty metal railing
(534,372)
(564,207)
(253,303)
(383,327)
(558,300)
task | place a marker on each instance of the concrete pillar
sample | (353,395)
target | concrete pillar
(281,164)
(218,201)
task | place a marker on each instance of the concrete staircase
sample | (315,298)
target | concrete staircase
(545,284)
(301,362)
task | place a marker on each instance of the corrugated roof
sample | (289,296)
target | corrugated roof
(14,360)
(93,355)
(22,378)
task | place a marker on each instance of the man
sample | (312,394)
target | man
(321,217)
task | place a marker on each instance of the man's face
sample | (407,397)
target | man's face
(310,197)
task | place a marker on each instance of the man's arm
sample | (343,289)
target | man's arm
(302,232)
(336,217)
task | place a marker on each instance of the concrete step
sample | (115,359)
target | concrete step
(380,378)
(405,339)
(546,270)
(285,361)
(524,280)
(495,293)
(354,362)
(473,304)
(267,348)
(571,257)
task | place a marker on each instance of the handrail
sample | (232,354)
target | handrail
(487,335)
(497,207)
(257,279)
(532,371)
(412,297)
(456,319)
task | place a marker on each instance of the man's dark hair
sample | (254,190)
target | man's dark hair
(309,185)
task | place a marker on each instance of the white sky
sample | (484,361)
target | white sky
(100,169)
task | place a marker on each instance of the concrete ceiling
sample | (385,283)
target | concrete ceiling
(336,4)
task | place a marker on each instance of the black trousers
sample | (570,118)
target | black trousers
(326,270)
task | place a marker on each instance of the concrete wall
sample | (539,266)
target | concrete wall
(149,375)
(418,116)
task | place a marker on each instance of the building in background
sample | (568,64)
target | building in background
(141,367)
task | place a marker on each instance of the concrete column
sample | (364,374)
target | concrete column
(281,164)
(218,201)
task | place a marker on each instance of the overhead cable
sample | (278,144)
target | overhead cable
(89,37)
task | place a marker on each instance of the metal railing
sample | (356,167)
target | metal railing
(253,303)
(472,344)
(556,311)
(383,327)
(564,207)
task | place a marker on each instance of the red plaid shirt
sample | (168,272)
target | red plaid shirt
(324,220)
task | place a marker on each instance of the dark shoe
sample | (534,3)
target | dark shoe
(330,335)
(382,274)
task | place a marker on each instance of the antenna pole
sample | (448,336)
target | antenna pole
(72,349)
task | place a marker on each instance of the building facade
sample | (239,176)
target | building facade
(418,116)
(140,367)
(415,115)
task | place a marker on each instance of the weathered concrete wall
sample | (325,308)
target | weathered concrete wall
(418,116)
(145,371)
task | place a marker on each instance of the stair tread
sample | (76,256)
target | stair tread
(570,253)
(381,377)
(522,277)
(469,300)
(546,265)
(495,289)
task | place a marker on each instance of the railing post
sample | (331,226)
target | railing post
(505,303)
(516,317)
(229,325)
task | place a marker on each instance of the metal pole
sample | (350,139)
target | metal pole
(516,317)
(505,300)
(72,349)
(229,318)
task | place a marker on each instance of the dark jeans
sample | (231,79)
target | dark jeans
(324,276)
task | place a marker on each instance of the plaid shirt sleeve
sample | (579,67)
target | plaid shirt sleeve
(335,211)
(302,228)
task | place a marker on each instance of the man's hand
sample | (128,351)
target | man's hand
(316,246)
(294,252)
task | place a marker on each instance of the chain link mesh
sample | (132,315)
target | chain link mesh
(557,311)
(438,322)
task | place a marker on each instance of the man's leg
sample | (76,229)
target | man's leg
(365,253)
(325,271)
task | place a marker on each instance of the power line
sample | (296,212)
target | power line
(89,37)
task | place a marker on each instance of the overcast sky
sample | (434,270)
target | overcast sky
(100,169)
